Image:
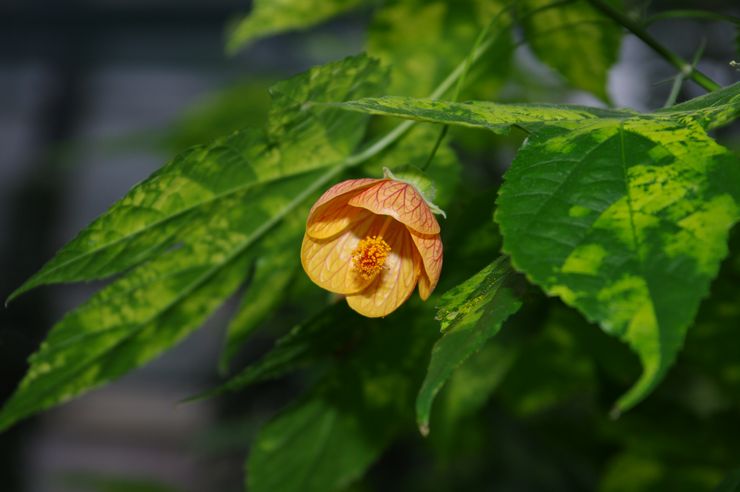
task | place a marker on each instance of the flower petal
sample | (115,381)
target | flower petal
(394,285)
(399,200)
(340,189)
(333,217)
(425,286)
(328,262)
(430,250)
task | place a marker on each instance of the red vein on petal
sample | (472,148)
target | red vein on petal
(338,189)
(431,251)
(401,201)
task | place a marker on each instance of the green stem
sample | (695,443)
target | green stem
(692,14)
(391,137)
(469,60)
(482,45)
(680,77)
(672,58)
(441,136)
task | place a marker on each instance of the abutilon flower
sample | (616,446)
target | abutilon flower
(373,240)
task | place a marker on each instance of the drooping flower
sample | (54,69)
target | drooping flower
(373,240)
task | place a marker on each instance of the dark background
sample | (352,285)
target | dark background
(92,98)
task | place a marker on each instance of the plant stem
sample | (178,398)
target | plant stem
(692,14)
(481,46)
(672,58)
(441,136)
(680,77)
(461,81)
(390,138)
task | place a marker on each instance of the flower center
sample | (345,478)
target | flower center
(369,256)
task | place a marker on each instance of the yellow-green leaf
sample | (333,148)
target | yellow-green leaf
(189,232)
(270,17)
(470,314)
(626,221)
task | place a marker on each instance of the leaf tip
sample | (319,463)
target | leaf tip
(15,294)
(424,429)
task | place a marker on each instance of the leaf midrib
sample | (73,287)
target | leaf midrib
(638,249)
(38,279)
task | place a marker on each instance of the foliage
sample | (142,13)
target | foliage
(597,209)
(470,314)
(272,17)
(585,265)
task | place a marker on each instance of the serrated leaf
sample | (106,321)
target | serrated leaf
(193,224)
(157,213)
(331,437)
(270,17)
(137,317)
(656,178)
(498,118)
(470,314)
(422,41)
(576,40)
(626,221)
(712,110)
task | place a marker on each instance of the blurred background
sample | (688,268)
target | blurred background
(94,96)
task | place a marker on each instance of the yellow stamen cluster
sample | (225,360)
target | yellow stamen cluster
(369,256)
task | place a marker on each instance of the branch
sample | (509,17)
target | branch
(672,58)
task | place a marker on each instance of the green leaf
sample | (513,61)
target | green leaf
(270,17)
(470,314)
(576,40)
(137,317)
(623,215)
(712,110)
(331,436)
(628,222)
(498,118)
(422,41)
(158,213)
(193,225)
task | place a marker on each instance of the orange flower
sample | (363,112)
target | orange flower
(372,240)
